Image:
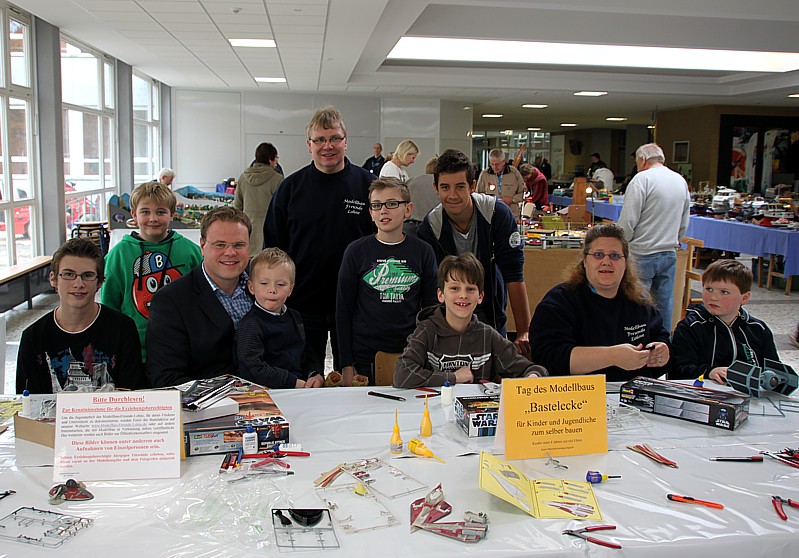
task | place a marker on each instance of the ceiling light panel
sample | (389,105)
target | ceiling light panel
(623,56)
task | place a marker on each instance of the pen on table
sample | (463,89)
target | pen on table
(428,395)
(755,458)
(386,396)
(689,500)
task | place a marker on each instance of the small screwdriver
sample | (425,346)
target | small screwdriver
(595,477)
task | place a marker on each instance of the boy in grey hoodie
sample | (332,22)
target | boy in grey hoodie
(450,344)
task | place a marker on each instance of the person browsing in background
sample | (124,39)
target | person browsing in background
(654,218)
(424,197)
(403,157)
(450,344)
(314,215)
(143,262)
(193,320)
(375,163)
(79,331)
(385,279)
(600,321)
(596,163)
(503,181)
(546,168)
(536,184)
(468,222)
(720,331)
(256,186)
(166,176)
(270,340)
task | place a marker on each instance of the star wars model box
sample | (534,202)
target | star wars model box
(722,409)
(477,415)
(224,434)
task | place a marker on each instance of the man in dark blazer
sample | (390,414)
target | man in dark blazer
(192,324)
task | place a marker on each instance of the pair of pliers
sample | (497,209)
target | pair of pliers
(582,534)
(778,502)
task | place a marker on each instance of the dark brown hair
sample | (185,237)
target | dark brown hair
(80,248)
(729,271)
(466,268)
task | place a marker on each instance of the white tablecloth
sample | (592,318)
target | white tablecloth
(338,425)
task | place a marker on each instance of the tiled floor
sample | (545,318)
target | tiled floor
(779,311)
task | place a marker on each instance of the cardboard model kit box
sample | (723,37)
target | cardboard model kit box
(477,415)
(721,409)
(224,434)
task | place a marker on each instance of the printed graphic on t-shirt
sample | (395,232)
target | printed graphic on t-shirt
(151,271)
(392,278)
(63,363)
(353,206)
(635,332)
(451,363)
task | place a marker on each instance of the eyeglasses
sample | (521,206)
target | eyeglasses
(390,204)
(599,256)
(86,276)
(222,246)
(334,140)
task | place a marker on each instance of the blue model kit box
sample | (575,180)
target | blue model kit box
(477,415)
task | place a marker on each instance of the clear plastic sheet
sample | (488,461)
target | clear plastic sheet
(182,518)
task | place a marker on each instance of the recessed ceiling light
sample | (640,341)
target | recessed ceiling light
(270,80)
(534,129)
(477,135)
(620,56)
(535,106)
(650,127)
(590,93)
(467,108)
(794,95)
(255,43)
(489,115)
(568,125)
(615,119)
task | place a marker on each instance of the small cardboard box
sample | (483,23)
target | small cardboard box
(721,409)
(224,434)
(36,431)
(477,415)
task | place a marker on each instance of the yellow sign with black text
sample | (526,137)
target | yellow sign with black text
(559,416)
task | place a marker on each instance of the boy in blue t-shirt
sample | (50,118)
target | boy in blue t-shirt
(384,281)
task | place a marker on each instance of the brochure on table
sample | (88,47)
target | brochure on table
(117,435)
(555,416)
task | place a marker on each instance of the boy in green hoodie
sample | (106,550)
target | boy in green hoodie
(144,261)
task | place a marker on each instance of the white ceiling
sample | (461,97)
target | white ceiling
(340,46)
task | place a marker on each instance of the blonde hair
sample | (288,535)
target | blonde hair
(404,148)
(157,192)
(271,258)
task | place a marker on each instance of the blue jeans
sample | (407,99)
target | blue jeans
(656,272)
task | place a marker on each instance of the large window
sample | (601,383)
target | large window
(146,129)
(89,120)
(18,193)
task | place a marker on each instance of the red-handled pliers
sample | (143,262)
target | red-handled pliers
(778,502)
(582,534)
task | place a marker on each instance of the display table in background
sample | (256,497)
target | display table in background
(345,424)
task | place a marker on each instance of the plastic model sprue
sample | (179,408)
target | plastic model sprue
(425,513)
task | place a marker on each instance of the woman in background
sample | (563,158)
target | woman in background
(403,157)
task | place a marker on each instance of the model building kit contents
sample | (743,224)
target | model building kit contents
(722,409)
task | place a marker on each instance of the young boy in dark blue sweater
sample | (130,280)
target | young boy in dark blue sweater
(271,338)
(385,279)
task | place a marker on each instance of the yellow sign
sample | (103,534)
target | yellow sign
(542,498)
(559,416)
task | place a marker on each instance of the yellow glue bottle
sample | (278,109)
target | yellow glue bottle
(426,428)
(395,445)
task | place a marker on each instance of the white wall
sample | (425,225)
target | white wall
(217,132)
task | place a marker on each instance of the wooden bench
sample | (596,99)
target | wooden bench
(22,273)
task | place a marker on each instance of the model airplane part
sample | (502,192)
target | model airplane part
(574,508)
(753,380)
(425,512)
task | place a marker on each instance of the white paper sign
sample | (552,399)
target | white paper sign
(117,435)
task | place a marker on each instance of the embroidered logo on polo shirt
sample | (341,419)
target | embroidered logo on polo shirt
(392,278)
